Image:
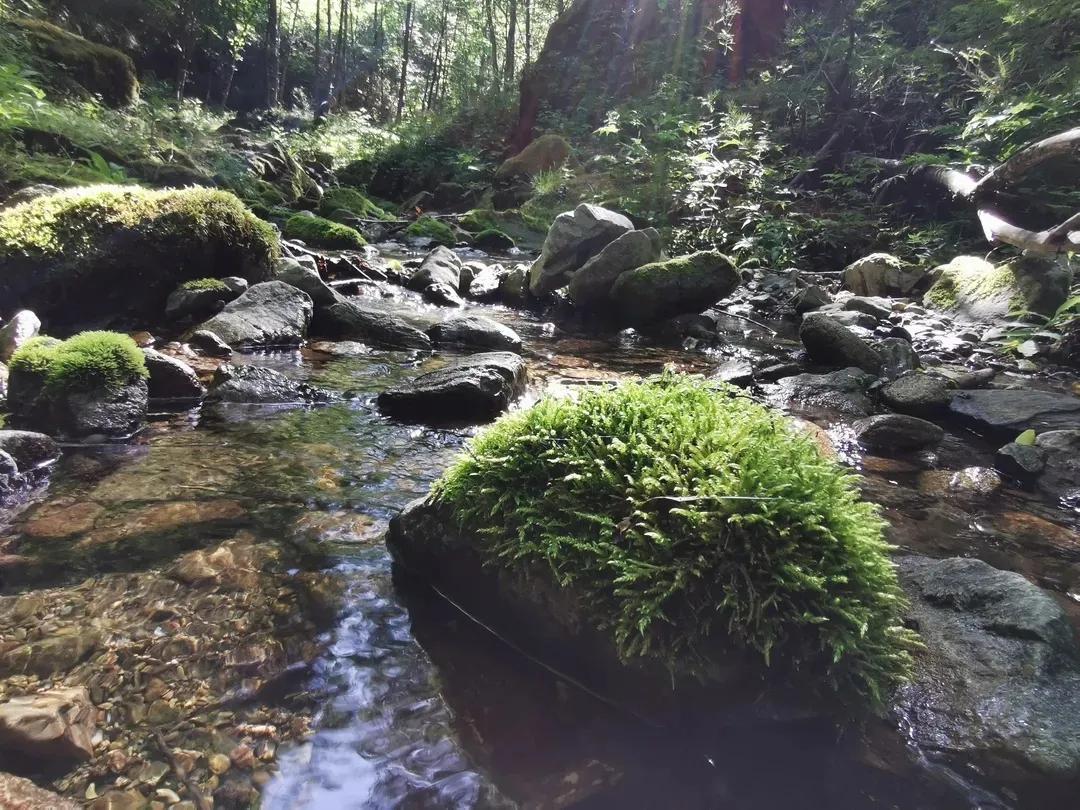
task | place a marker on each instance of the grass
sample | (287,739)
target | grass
(686,513)
(83,362)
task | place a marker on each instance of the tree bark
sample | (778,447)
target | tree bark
(273,54)
(510,63)
(405,46)
(493,42)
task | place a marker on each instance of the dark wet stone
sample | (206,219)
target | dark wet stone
(350,320)
(106,412)
(998,687)
(8,468)
(878,308)
(208,344)
(777,371)
(1024,462)
(897,432)
(29,450)
(1012,411)
(253,384)
(473,389)
(735,371)
(833,344)
(897,357)
(475,331)
(171,379)
(441,269)
(485,284)
(306,278)
(844,391)
(1062,473)
(185,305)
(442,295)
(917,394)
(269,314)
(811,298)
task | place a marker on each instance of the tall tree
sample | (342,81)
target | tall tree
(273,54)
(510,63)
(406,44)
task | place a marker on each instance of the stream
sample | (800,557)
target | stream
(351,691)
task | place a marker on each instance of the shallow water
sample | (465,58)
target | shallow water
(414,704)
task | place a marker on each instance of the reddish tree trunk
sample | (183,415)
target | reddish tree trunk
(758,32)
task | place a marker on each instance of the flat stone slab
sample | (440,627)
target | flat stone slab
(1012,411)
(473,389)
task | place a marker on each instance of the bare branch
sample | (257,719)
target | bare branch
(1064,144)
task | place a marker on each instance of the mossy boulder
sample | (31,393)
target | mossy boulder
(493,239)
(670,530)
(344,201)
(320,232)
(92,383)
(688,284)
(546,153)
(112,254)
(431,228)
(101,70)
(973,289)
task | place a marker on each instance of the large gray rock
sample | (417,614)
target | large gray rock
(686,285)
(574,238)
(486,282)
(29,450)
(439,277)
(206,343)
(51,726)
(918,394)
(894,432)
(307,279)
(186,304)
(267,315)
(22,327)
(998,687)
(833,344)
(473,389)
(973,289)
(350,320)
(1010,411)
(171,379)
(591,285)
(477,332)
(1061,473)
(844,392)
(257,385)
(1024,462)
(880,275)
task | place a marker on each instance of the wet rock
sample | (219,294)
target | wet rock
(115,412)
(306,278)
(972,289)
(57,724)
(473,389)
(442,295)
(998,687)
(1062,451)
(22,794)
(1012,411)
(574,238)
(485,283)
(22,327)
(735,371)
(269,314)
(844,391)
(832,344)
(881,275)
(811,298)
(493,239)
(29,450)
(3,381)
(350,320)
(917,394)
(439,277)
(475,331)
(187,304)
(686,285)
(877,308)
(171,379)
(1024,462)
(51,655)
(975,481)
(897,357)
(254,384)
(592,283)
(514,288)
(120,800)
(8,471)
(897,432)
(209,344)
(850,319)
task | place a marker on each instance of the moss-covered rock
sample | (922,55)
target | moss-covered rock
(352,203)
(433,229)
(972,288)
(113,254)
(319,232)
(94,382)
(660,290)
(101,70)
(493,239)
(479,219)
(546,153)
(681,524)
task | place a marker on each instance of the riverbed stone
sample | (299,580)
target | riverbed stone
(574,238)
(270,314)
(918,394)
(1061,475)
(188,304)
(592,283)
(112,412)
(897,432)
(472,389)
(477,332)
(833,344)
(207,343)
(683,286)
(881,275)
(1024,462)
(171,379)
(897,357)
(23,327)
(485,283)
(1011,411)
(254,384)
(438,278)
(845,392)
(998,686)
(352,320)
(57,724)
(29,450)
(810,299)
(17,793)
(306,278)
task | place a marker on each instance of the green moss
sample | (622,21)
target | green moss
(98,68)
(343,198)
(493,239)
(86,361)
(694,521)
(433,229)
(479,219)
(972,279)
(205,285)
(320,232)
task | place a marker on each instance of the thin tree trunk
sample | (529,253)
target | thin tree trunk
(273,66)
(318,58)
(493,42)
(405,46)
(510,63)
(528,31)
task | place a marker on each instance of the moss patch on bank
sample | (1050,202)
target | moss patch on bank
(692,518)
(433,229)
(343,200)
(320,232)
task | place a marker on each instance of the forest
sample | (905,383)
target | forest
(539,404)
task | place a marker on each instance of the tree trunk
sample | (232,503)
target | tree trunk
(405,46)
(318,58)
(273,53)
(493,42)
(510,63)
(528,31)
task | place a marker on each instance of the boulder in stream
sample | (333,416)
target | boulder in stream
(1008,412)
(972,289)
(198,299)
(574,238)
(897,433)
(271,314)
(57,724)
(472,389)
(475,332)
(171,379)
(352,320)
(1061,474)
(263,386)
(681,286)
(918,394)
(17,793)
(591,285)
(844,392)
(881,275)
(29,450)
(832,344)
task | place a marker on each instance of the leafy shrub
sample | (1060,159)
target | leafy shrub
(86,361)
(687,514)
(319,232)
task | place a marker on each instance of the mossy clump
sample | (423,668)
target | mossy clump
(98,68)
(974,289)
(320,232)
(693,520)
(433,229)
(114,252)
(350,201)
(478,220)
(205,285)
(87,361)
(493,239)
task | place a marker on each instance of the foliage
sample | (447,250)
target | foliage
(688,517)
(86,361)
(319,232)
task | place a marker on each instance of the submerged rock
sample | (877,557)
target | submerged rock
(574,238)
(17,793)
(56,724)
(475,331)
(351,320)
(253,384)
(998,687)
(897,432)
(833,344)
(267,315)
(472,389)
(1012,411)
